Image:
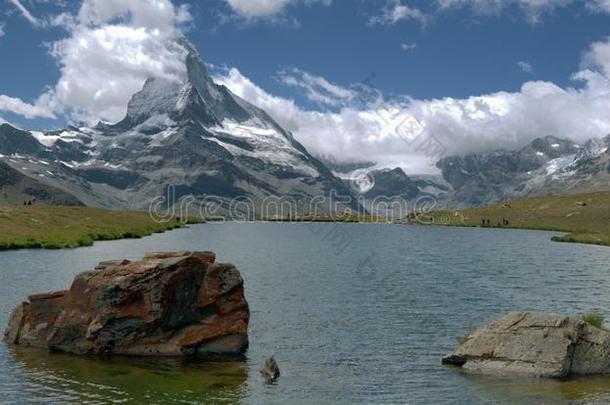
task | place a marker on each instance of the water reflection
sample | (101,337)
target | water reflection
(539,391)
(62,377)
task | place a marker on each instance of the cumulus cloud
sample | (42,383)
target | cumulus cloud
(478,123)
(394,11)
(112,47)
(2,30)
(102,67)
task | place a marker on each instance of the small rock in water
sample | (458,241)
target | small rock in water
(270,371)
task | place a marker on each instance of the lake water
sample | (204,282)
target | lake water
(353,313)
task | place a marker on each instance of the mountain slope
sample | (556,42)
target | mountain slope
(17,188)
(547,165)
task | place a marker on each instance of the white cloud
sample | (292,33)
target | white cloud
(112,47)
(598,57)
(25,13)
(316,88)
(534,9)
(265,8)
(599,5)
(394,11)
(257,8)
(408,46)
(2,33)
(151,14)
(102,67)
(526,67)
(478,123)
(17,106)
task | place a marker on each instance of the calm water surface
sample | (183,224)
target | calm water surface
(353,313)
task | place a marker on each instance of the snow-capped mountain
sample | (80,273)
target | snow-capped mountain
(190,133)
(547,165)
(203,140)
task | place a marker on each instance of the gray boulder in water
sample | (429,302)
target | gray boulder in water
(535,344)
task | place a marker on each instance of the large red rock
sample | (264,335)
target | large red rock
(167,304)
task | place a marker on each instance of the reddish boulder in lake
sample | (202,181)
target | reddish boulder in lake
(167,304)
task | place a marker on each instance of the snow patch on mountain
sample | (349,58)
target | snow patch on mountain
(267,144)
(560,165)
(49,139)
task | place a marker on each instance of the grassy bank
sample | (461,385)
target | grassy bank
(69,227)
(584,217)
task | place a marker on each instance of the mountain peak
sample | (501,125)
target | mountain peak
(158,96)
(550,147)
(197,74)
(194,90)
(193,98)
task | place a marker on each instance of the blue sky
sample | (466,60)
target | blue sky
(425,50)
(458,53)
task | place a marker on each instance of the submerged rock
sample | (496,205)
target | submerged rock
(535,344)
(167,304)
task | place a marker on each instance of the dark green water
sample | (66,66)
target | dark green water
(353,313)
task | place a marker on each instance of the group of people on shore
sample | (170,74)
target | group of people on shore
(487,222)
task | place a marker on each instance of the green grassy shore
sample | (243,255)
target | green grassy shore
(585,218)
(47,227)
